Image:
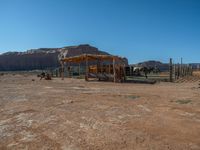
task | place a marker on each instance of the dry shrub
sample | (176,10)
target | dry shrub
(196,73)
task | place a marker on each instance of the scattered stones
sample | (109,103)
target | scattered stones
(132,96)
(183,101)
(144,108)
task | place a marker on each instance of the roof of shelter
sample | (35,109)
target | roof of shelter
(91,57)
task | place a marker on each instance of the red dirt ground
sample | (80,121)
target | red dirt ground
(78,115)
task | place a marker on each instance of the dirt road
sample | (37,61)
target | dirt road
(78,115)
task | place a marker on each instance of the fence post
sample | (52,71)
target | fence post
(191,71)
(181,67)
(174,67)
(56,72)
(114,70)
(87,68)
(170,70)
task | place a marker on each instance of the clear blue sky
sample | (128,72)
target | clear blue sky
(137,29)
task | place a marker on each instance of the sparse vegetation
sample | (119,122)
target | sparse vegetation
(183,101)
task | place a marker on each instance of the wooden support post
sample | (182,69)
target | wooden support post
(181,67)
(97,69)
(175,71)
(62,70)
(130,71)
(101,67)
(86,68)
(68,70)
(124,72)
(171,70)
(191,71)
(114,70)
(79,69)
(71,71)
(97,66)
(56,72)
(109,69)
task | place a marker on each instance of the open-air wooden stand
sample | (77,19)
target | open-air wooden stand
(101,67)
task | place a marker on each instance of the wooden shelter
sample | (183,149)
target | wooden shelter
(102,67)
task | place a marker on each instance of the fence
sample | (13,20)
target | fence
(164,72)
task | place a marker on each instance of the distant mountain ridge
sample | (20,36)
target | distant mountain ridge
(153,63)
(160,65)
(43,58)
(195,65)
(150,63)
(32,51)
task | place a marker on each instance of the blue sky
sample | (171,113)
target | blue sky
(137,29)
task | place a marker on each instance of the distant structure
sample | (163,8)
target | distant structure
(101,67)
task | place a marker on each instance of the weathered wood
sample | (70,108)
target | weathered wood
(170,70)
(175,74)
(109,69)
(68,70)
(124,72)
(114,70)
(100,59)
(79,69)
(56,73)
(101,66)
(86,69)
(181,68)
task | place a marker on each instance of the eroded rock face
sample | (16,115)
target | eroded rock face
(29,60)
(83,49)
(79,50)
(43,58)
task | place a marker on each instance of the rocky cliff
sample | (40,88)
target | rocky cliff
(43,58)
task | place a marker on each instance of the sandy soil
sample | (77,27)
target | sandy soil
(78,115)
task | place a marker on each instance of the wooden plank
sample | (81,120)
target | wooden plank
(171,70)
(79,69)
(86,70)
(114,70)
(90,57)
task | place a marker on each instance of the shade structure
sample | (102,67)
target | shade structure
(91,57)
(118,64)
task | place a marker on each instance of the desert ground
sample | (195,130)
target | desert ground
(78,115)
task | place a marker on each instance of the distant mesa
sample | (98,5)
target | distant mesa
(71,51)
(160,65)
(150,63)
(44,58)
